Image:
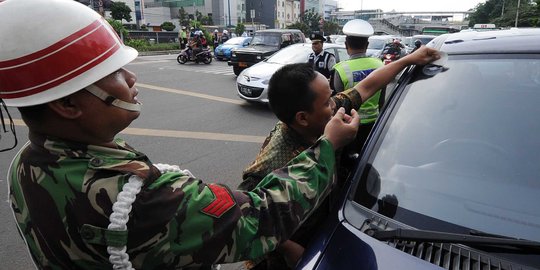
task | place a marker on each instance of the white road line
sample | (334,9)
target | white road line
(188,93)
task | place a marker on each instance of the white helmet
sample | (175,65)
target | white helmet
(225,31)
(358,28)
(77,48)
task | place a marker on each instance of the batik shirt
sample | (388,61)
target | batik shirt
(281,146)
(62,195)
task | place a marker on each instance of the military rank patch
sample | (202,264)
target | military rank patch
(221,204)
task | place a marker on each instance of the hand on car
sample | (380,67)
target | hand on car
(422,56)
(342,128)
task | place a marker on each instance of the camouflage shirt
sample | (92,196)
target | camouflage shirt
(62,193)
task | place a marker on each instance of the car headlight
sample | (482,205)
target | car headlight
(233,54)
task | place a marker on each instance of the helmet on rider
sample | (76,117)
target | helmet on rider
(48,65)
(417,43)
(358,28)
(225,31)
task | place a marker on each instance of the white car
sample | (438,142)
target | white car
(252,83)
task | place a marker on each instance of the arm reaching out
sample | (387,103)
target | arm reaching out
(384,75)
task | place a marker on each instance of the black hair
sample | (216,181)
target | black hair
(356,43)
(289,91)
(33,113)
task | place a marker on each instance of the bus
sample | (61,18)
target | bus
(438,30)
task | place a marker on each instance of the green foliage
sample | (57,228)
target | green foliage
(195,24)
(492,12)
(120,11)
(330,28)
(118,27)
(143,45)
(198,15)
(311,19)
(302,27)
(240,28)
(168,26)
(183,17)
(207,20)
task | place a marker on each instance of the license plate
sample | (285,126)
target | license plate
(245,90)
(242,64)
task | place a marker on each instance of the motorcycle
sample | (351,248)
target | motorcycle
(204,56)
(389,58)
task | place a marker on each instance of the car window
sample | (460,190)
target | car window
(341,54)
(235,41)
(376,44)
(461,146)
(269,39)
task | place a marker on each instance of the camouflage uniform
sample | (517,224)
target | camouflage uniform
(281,146)
(62,192)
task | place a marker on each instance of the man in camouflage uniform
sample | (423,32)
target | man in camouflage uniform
(84,199)
(301,99)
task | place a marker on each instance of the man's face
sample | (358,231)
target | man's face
(105,121)
(323,106)
(317,46)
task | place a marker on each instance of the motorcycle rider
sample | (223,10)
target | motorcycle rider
(417,45)
(394,48)
(196,45)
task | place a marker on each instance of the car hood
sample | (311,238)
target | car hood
(361,252)
(262,70)
(257,49)
(228,47)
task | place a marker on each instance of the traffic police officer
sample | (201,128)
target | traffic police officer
(321,60)
(348,73)
(84,199)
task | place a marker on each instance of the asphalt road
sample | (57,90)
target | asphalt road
(191,117)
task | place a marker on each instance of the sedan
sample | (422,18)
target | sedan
(449,177)
(252,83)
(223,51)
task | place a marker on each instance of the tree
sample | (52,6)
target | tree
(168,26)
(207,20)
(198,16)
(330,27)
(240,28)
(118,27)
(120,11)
(183,17)
(300,26)
(312,20)
(492,12)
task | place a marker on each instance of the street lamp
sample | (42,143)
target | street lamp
(517,13)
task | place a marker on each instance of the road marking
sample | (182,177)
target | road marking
(148,62)
(203,69)
(180,134)
(188,93)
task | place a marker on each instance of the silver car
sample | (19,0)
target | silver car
(252,83)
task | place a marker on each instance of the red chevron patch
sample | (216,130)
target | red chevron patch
(221,204)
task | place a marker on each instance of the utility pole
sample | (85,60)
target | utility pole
(502,10)
(517,13)
(229,6)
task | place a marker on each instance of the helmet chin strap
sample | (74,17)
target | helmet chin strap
(110,100)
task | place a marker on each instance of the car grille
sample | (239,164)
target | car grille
(446,255)
(251,58)
(249,91)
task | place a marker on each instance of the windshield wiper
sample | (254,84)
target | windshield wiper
(444,237)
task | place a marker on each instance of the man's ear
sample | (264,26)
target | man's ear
(301,118)
(65,108)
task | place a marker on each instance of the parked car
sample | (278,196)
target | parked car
(449,177)
(264,44)
(223,51)
(377,45)
(252,83)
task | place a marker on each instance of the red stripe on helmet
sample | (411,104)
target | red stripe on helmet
(57,63)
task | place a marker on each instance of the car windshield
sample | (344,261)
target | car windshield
(268,39)
(235,41)
(290,55)
(463,147)
(376,44)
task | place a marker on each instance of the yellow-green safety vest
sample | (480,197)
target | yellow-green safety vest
(353,71)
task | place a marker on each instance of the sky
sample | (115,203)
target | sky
(409,5)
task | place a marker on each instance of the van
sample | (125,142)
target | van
(264,44)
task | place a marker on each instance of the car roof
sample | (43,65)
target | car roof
(279,30)
(515,40)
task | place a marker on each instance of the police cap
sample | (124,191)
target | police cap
(316,38)
(358,28)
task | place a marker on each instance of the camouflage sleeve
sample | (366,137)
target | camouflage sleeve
(212,224)
(349,99)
